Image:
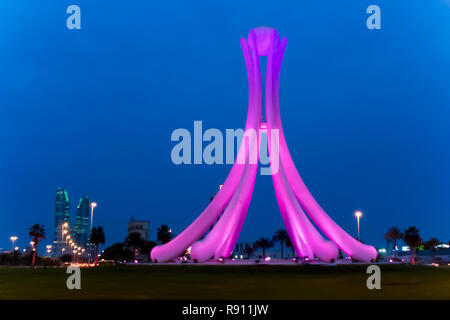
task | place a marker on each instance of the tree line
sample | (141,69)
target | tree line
(134,247)
(413,239)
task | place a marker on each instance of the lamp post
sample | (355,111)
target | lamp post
(93,205)
(358,214)
(13,239)
(64,230)
(49,249)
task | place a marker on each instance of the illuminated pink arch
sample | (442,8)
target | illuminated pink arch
(296,203)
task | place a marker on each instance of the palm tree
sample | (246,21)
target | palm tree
(134,240)
(432,244)
(264,244)
(37,232)
(289,245)
(281,236)
(412,239)
(393,235)
(164,234)
(97,236)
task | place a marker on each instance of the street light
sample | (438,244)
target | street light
(358,214)
(64,230)
(13,239)
(67,240)
(93,205)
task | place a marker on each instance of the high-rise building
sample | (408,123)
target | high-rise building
(81,228)
(142,227)
(62,216)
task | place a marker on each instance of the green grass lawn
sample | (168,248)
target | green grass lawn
(227,282)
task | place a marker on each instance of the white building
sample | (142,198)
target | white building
(142,227)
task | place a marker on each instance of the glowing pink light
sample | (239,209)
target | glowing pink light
(298,207)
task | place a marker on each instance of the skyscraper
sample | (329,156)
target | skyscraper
(81,229)
(62,215)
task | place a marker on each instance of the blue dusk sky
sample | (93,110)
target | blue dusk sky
(366,112)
